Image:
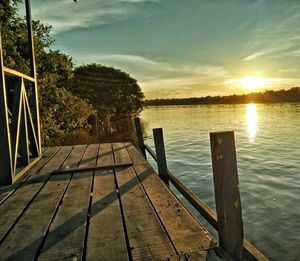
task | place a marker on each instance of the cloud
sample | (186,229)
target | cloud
(277,51)
(276,35)
(179,68)
(159,66)
(65,15)
(136,60)
(270,82)
(254,56)
(198,81)
(160,78)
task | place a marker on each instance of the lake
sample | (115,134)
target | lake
(268,153)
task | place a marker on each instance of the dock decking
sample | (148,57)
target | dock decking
(114,213)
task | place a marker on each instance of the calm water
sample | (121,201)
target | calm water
(268,151)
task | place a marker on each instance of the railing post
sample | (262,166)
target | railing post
(227,194)
(35,104)
(6,168)
(139,134)
(160,154)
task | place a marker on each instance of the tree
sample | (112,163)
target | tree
(111,91)
(60,111)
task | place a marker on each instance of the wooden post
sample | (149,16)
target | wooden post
(139,134)
(227,194)
(35,103)
(160,154)
(6,168)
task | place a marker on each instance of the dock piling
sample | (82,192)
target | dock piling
(139,134)
(161,154)
(227,194)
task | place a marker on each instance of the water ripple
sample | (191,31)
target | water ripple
(267,141)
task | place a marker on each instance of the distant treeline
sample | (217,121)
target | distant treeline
(291,95)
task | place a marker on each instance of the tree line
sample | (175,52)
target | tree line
(269,96)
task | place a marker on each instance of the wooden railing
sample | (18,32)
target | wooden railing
(224,160)
(20,142)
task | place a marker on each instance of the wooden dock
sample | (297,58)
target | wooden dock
(104,201)
(121,210)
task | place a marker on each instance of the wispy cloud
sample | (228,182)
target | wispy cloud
(256,55)
(194,68)
(159,66)
(276,37)
(136,60)
(65,15)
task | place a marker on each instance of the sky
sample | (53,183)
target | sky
(182,48)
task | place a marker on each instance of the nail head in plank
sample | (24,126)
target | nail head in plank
(186,233)
(31,222)
(66,236)
(106,239)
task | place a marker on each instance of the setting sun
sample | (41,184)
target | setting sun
(252,82)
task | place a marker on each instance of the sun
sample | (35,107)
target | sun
(252,82)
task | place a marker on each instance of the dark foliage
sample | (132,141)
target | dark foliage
(112,92)
(54,71)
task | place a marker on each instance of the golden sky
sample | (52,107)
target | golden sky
(178,48)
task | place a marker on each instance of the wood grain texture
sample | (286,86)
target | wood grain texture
(139,135)
(184,230)
(250,252)
(209,214)
(7,191)
(227,193)
(84,169)
(161,154)
(23,241)
(213,254)
(106,238)
(16,204)
(147,238)
(66,236)
(34,222)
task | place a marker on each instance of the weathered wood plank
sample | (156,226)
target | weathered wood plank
(106,239)
(139,135)
(23,242)
(161,154)
(250,252)
(74,158)
(84,169)
(227,193)
(7,191)
(184,230)
(214,254)
(57,161)
(34,222)
(66,236)
(25,193)
(147,238)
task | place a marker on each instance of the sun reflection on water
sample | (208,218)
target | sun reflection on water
(251,119)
